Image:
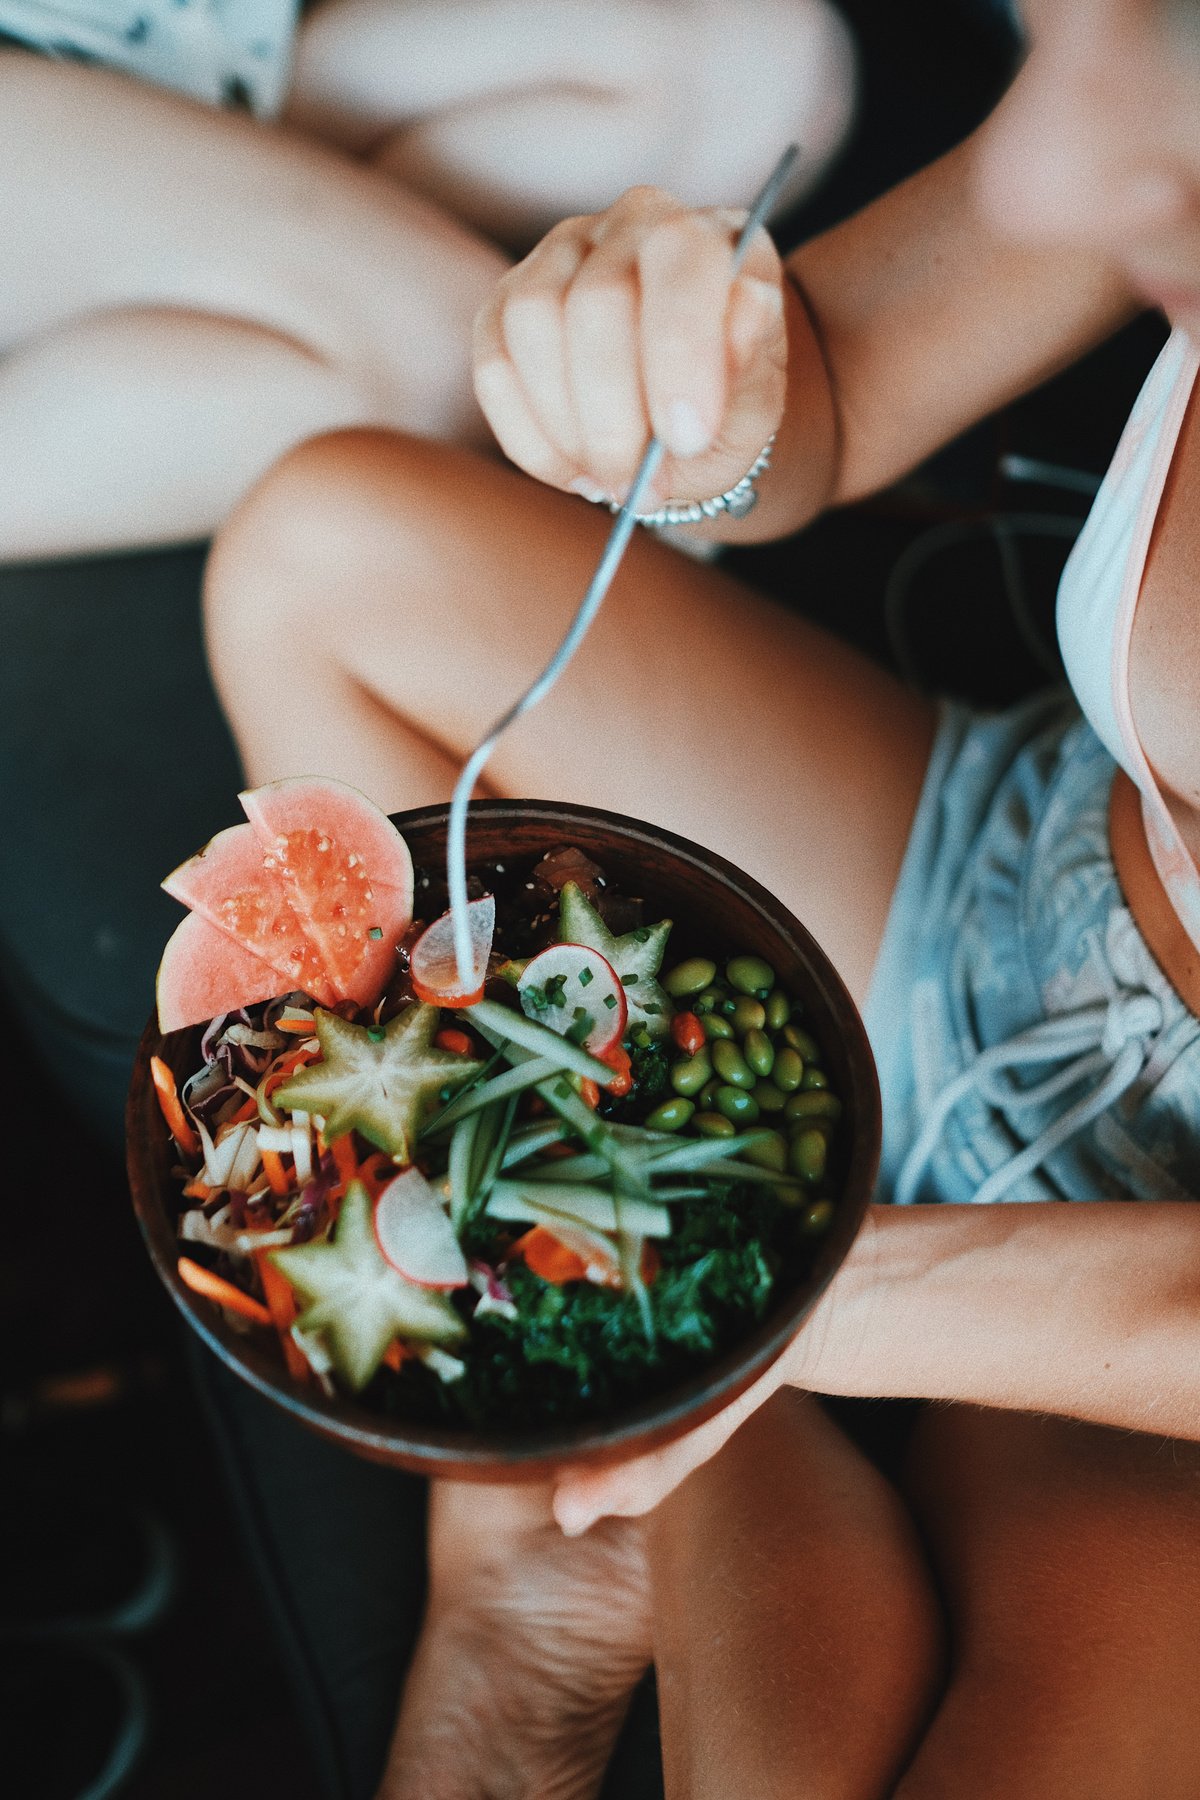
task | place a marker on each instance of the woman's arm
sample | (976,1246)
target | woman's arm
(1089,1311)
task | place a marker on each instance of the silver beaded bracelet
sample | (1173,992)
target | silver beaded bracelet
(737,501)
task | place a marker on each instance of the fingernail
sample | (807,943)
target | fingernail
(589,491)
(573,1519)
(767,295)
(687,434)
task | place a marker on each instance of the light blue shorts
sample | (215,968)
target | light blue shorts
(1029,1047)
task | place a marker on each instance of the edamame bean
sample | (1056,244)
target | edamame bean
(689,977)
(768,1150)
(736,1104)
(690,1075)
(708,1093)
(779,1009)
(750,975)
(713,1124)
(816,1103)
(801,1042)
(730,1064)
(748,1015)
(817,1217)
(715,1026)
(672,1115)
(759,1051)
(788,1072)
(813,1078)
(806,1154)
(770,1098)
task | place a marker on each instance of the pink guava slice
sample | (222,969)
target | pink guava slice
(346,871)
(234,885)
(204,972)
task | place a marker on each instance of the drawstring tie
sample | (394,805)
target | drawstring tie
(1113,1038)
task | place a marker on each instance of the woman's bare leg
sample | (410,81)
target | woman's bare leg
(796,1634)
(186,294)
(1070,1560)
(515,113)
(377,602)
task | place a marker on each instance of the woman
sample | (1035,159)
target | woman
(1015,900)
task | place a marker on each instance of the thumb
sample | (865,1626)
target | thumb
(630,1488)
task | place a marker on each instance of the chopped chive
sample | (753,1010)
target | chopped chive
(563,1088)
(376,932)
(582,1023)
(640,934)
(651,1007)
(376,1033)
(629,980)
(585,977)
(610,1000)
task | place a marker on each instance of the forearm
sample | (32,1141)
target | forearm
(908,323)
(1091,1311)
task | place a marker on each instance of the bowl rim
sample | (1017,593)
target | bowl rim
(463,1451)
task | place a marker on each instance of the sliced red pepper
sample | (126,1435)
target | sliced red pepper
(688,1033)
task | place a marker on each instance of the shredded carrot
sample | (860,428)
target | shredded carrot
(344,1159)
(651,1263)
(397,1354)
(275,1172)
(618,1059)
(247,1110)
(198,1190)
(589,1093)
(295,1059)
(281,1304)
(213,1287)
(548,1258)
(296,1027)
(457,1041)
(178,1123)
(376,1171)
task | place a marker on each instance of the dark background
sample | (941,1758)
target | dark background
(115,764)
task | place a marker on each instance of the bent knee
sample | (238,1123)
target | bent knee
(302,524)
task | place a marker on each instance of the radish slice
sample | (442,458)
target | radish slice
(416,1237)
(434,969)
(567,981)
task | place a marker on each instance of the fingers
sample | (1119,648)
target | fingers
(630,324)
(631,1488)
(684,269)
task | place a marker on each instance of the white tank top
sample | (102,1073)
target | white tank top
(1098,596)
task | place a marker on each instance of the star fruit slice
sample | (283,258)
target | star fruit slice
(636,956)
(356,1300)
(381,1080)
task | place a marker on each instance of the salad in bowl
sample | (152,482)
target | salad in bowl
(559,1211)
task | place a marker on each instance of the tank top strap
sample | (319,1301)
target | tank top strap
(1098,596)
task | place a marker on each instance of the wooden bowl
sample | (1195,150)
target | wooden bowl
(712,904)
